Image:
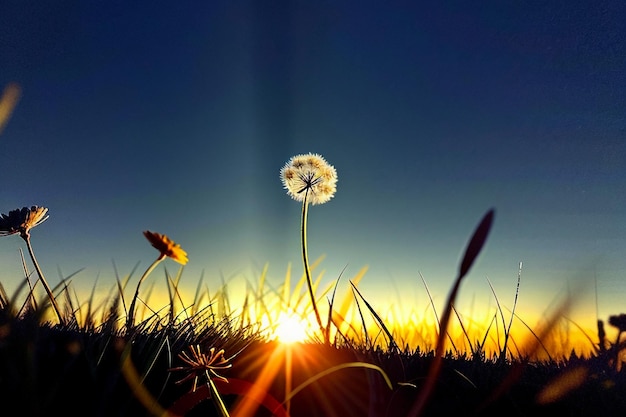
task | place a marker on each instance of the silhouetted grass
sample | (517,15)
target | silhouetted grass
(97,362)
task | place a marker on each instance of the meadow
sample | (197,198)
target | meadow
(125,355)
(298,349)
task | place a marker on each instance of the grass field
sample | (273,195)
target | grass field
(126,356)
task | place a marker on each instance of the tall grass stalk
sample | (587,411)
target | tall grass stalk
(392,343)
(474,247)
(506,327)
(432,304)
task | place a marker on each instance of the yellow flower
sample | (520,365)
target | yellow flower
(22,220)
(166,246)
(310,176)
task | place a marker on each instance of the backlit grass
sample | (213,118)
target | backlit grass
(304,348)
(219,352)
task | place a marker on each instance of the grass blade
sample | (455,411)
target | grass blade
(472,251)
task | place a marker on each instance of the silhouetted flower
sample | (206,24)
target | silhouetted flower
(310,176)
(166,246)
(619,322)
(22,220)
(201,364)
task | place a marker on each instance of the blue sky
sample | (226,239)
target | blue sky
(177,119)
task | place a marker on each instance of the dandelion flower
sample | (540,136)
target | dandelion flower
(166,246)
(310,177)
(202,365)
(22,220)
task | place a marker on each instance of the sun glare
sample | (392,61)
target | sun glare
(290,329)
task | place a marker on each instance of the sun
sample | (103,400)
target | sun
(290,328)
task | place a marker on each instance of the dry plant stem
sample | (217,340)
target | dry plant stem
(307,271)
(131,311)
(507,331)
(215,396)
(43,279)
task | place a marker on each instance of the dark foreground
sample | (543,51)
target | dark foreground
(81,372)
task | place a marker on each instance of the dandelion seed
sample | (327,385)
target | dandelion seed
(310,176)
(166,246)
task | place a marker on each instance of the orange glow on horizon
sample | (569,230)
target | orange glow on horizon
(412,329)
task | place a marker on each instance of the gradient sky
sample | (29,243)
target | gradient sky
(177,119)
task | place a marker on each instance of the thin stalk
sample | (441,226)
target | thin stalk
(507,331)
(215,396)
(53,301)
(131,310)
(305,258)
(288,377)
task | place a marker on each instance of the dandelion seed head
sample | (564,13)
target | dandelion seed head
(309,174)
(166,246)
(316,161)
(289,173)
(328,173)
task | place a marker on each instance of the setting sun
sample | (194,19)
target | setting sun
(290,329)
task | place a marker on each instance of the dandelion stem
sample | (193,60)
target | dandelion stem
(305,258)
(53,301)
(131,310)
(288,377)
(215,396)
